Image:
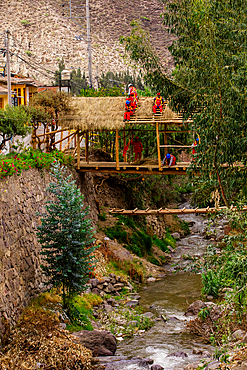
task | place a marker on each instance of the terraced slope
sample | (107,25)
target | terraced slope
(41,35)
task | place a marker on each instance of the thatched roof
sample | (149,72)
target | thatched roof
(106,113)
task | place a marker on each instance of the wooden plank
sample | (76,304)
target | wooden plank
(78,149)
(60,146)
(175,146)
(124,139)
(181,172)
(59,141)
(69,141)
(165,139)
(117,151)
(158,145)
(86,148)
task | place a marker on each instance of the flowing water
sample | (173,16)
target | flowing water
(170,297)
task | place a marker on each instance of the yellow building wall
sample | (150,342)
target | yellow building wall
(3,101)
(21,91)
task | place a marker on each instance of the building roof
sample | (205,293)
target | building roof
(20,81)
(3,90)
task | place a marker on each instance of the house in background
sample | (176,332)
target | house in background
(23,88)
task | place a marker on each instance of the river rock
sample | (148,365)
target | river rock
(118,286)
(238,334)
(195,308)
(194,365)
(94,282)
(156,367)
(213,365)
(95,291)
(173,318)
(132,303)
(149,315)
(101,343)
(178,354)
(206,354)
(151,280)
(175,235)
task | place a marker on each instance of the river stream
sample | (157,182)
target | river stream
(170,297)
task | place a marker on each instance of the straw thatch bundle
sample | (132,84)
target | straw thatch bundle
(145,109)
(106,113)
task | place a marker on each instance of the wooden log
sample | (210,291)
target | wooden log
(69,141)
(165,139)
(52,132)
(78,149)
(117,151)
(60,145)
(86,148)
(67,137)
(158,145)
(124,140)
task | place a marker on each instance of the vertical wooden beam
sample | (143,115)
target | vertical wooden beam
(124,138)
(60,147)
(86,148)
(117,151)
(78,149)
(165,138)
(158,144)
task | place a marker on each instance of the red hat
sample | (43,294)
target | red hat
(158,93)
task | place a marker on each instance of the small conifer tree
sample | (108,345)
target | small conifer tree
(66,237)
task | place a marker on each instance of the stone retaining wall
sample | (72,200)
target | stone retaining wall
(21,197)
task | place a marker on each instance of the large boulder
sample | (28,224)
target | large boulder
(101,343)
(195,308)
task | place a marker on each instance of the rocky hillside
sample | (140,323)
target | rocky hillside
(41,34)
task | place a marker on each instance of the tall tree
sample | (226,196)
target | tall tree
(66,237)
(208,80)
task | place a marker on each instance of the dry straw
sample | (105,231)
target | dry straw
(106,113)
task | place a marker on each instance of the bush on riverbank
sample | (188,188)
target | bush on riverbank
(15,163)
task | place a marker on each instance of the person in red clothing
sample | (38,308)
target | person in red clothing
(158,103)
(128,110)
(132,90)
(138,148)
(133,101)
(169,160)
(194,145)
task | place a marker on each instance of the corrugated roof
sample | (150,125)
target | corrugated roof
(20,81)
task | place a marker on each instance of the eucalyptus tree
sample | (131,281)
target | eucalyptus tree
(209,80)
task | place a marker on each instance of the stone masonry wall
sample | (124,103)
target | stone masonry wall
(21,197)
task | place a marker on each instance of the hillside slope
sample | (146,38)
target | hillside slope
(41,35)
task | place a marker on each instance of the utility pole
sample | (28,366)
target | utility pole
(89,47)
(8,69)
(89,50)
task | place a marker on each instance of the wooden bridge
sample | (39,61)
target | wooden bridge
(77,132)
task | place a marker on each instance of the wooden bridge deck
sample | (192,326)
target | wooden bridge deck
(145,169)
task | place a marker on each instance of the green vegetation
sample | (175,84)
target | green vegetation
(112,91)
(13,121)
(102,216)
(66,238)
(210,55)
(16,162)
(28,52)
(133,269)
(25,22)
(136,239)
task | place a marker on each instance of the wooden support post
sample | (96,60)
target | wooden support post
(117,151)
(78,149)
(124,138)
(33,142)
(86,148)
(60,147)
(165,139)
(158,145)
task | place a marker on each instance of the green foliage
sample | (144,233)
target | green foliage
(204,313)
(13,121)
(102,216)
(66,238)
(25,22)
(134,269)
(210,56)
(54,104)
(16,162)
(228,269)
(77,82)
(78,315)
(112,91)
(29,53)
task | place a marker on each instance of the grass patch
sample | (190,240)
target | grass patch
(133,269)
(102,216)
